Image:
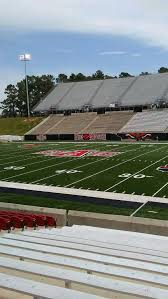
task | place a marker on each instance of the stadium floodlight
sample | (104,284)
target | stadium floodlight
(26,57)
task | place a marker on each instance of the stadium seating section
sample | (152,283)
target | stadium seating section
(12,219)
(90,122)
(83,262)
(132,91)
(153,121)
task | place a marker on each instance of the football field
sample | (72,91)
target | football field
(130,168)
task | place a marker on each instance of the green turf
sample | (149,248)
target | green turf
(134,170)
(18,125)
(62,204)
(149,211)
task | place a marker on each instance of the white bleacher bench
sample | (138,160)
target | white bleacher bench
(111,263)
(99,258)
(40,290)
(33,238)
(85,279)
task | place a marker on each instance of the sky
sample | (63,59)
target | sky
(82,36)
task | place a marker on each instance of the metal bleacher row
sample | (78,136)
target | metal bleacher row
(110,122)
(149,121)
(83,262)
(132,91)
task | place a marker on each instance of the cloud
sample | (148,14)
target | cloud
(136,55)
(112,53)
(143,20)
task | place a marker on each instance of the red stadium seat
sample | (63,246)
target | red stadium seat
(17,222)
(40,220)
(5,224)
(50,221)
(29,221)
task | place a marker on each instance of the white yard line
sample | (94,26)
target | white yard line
(104,170)
(31,171)
(137,210)
(131,176)
(25,165)
(73,168)
(160,189)
(98,160)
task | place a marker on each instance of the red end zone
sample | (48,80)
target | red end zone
(77,153)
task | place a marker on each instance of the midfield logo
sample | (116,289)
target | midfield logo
(77,153)
(163,168)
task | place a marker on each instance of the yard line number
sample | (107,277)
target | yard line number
(136,176)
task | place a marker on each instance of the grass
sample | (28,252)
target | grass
(18,125)
(153,212)
(133,170)
(62,204)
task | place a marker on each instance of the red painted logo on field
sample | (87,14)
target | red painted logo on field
(77,153)
(163,168)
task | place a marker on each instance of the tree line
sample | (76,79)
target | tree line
(15,102)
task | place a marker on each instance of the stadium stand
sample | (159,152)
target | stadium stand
(82,123)
(153,121)
(123,92)
(112,92)
(73,124)
(110,122)
(146,90)
(84,262)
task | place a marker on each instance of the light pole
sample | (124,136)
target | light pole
(26,57)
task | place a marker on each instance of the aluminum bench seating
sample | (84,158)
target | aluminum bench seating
(69,277)
(111,263)
(39,290)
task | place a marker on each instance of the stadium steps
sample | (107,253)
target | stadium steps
(127,89)
(79,95)
(95,93)
(85,129)
(43,127)
(61,99)
(84,262)
(57,122)
(110,122)
(149,121)
(73,123)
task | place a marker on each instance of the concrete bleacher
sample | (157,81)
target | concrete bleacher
(110,122)
(73,124)
(83,262)
(112,91)
(82,123)
(54,97)
(146,90)
(79,95)
(131,91)
(149,121)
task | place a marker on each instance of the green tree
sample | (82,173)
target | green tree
(9,105)
(163,70)
(144,74)
(62,78)
(124,74)
(16,99)
(99,75)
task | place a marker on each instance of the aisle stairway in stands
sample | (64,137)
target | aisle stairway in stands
(110,122)
(91,122)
